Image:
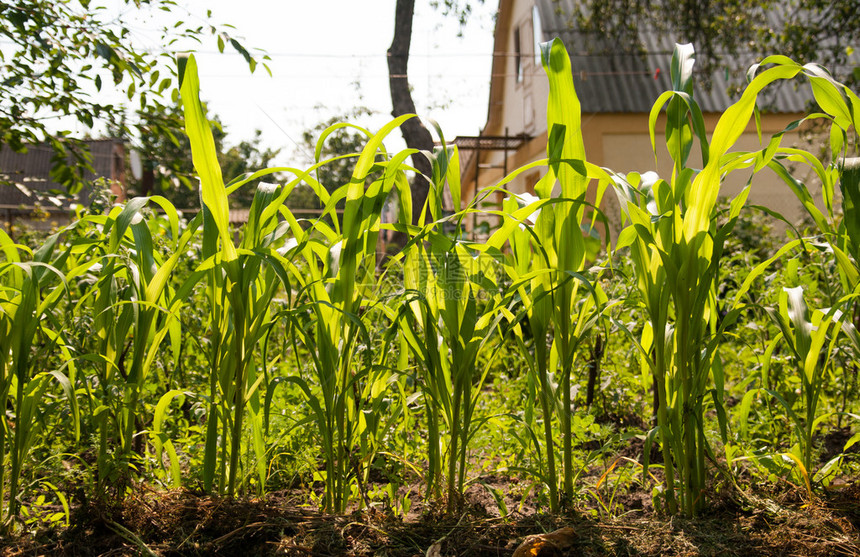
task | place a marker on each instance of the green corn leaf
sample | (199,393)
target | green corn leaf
(254,229)
(828,95)
(678,130)
(452,166)
(850,331)
(744,411)
(123,220)
(212,192)
(160,413)
(802,193)
(818,336)
(850,186)
(851,442)
(563,113)
(733,122)
(797,313)
(9,248)
(768,357)
(759,269)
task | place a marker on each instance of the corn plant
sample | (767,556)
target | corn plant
(29,332)
(561,232)
(336,291)
(449,316)
(676,246)
(446,330)
(840,108)
(243,315)
(806,335)
(549,260)
(242,283)
(135,309)
(420,335)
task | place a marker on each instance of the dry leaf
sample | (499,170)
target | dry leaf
(546,545)
(434,550)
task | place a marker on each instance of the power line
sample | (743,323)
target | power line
(354,56)
(300,147)
(418,75)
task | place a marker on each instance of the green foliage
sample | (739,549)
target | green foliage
(328,140)
(167,169)
(56,52)
(141,347)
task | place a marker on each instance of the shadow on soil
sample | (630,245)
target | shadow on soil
(182,523)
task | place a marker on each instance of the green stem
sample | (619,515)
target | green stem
(663,423)
(565,425)
(236,434)
(238,396)
(452,449)
(464,430)
(546,408)
(434,472)
(5,429)
(15,469)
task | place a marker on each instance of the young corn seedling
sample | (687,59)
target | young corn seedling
(531,281)
(549,261)
(30,293)
(242,285)
(337,289)
(840,107)
(676,246)
(450,315)
(807,339)
(805,335)
(133,298)
(450,283)
(418,319)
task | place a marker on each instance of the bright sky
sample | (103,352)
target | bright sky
(328,57)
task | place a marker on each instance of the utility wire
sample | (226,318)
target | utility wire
(277,125)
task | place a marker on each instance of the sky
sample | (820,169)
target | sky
(328,57)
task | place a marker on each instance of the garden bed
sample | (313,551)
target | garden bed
(185,523)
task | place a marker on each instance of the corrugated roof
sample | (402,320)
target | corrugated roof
(609,81)
(490,142)
(32,171)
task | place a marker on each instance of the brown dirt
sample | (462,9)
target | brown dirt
(182,523)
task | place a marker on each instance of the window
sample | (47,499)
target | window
(518,55)
(537,30)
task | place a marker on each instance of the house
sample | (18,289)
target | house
(616,91)
(27,189)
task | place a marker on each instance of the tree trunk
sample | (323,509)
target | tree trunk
(414,132)
(147,181)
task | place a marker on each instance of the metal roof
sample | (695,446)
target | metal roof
(608,81)
(490,142)
(32,171)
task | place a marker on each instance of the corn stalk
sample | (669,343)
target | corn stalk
(31,292)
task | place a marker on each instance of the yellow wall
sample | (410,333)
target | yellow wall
(617,141)
(621,143)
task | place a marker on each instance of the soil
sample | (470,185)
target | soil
(168,523)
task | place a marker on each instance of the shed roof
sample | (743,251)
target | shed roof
(613,81)
(32,171)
